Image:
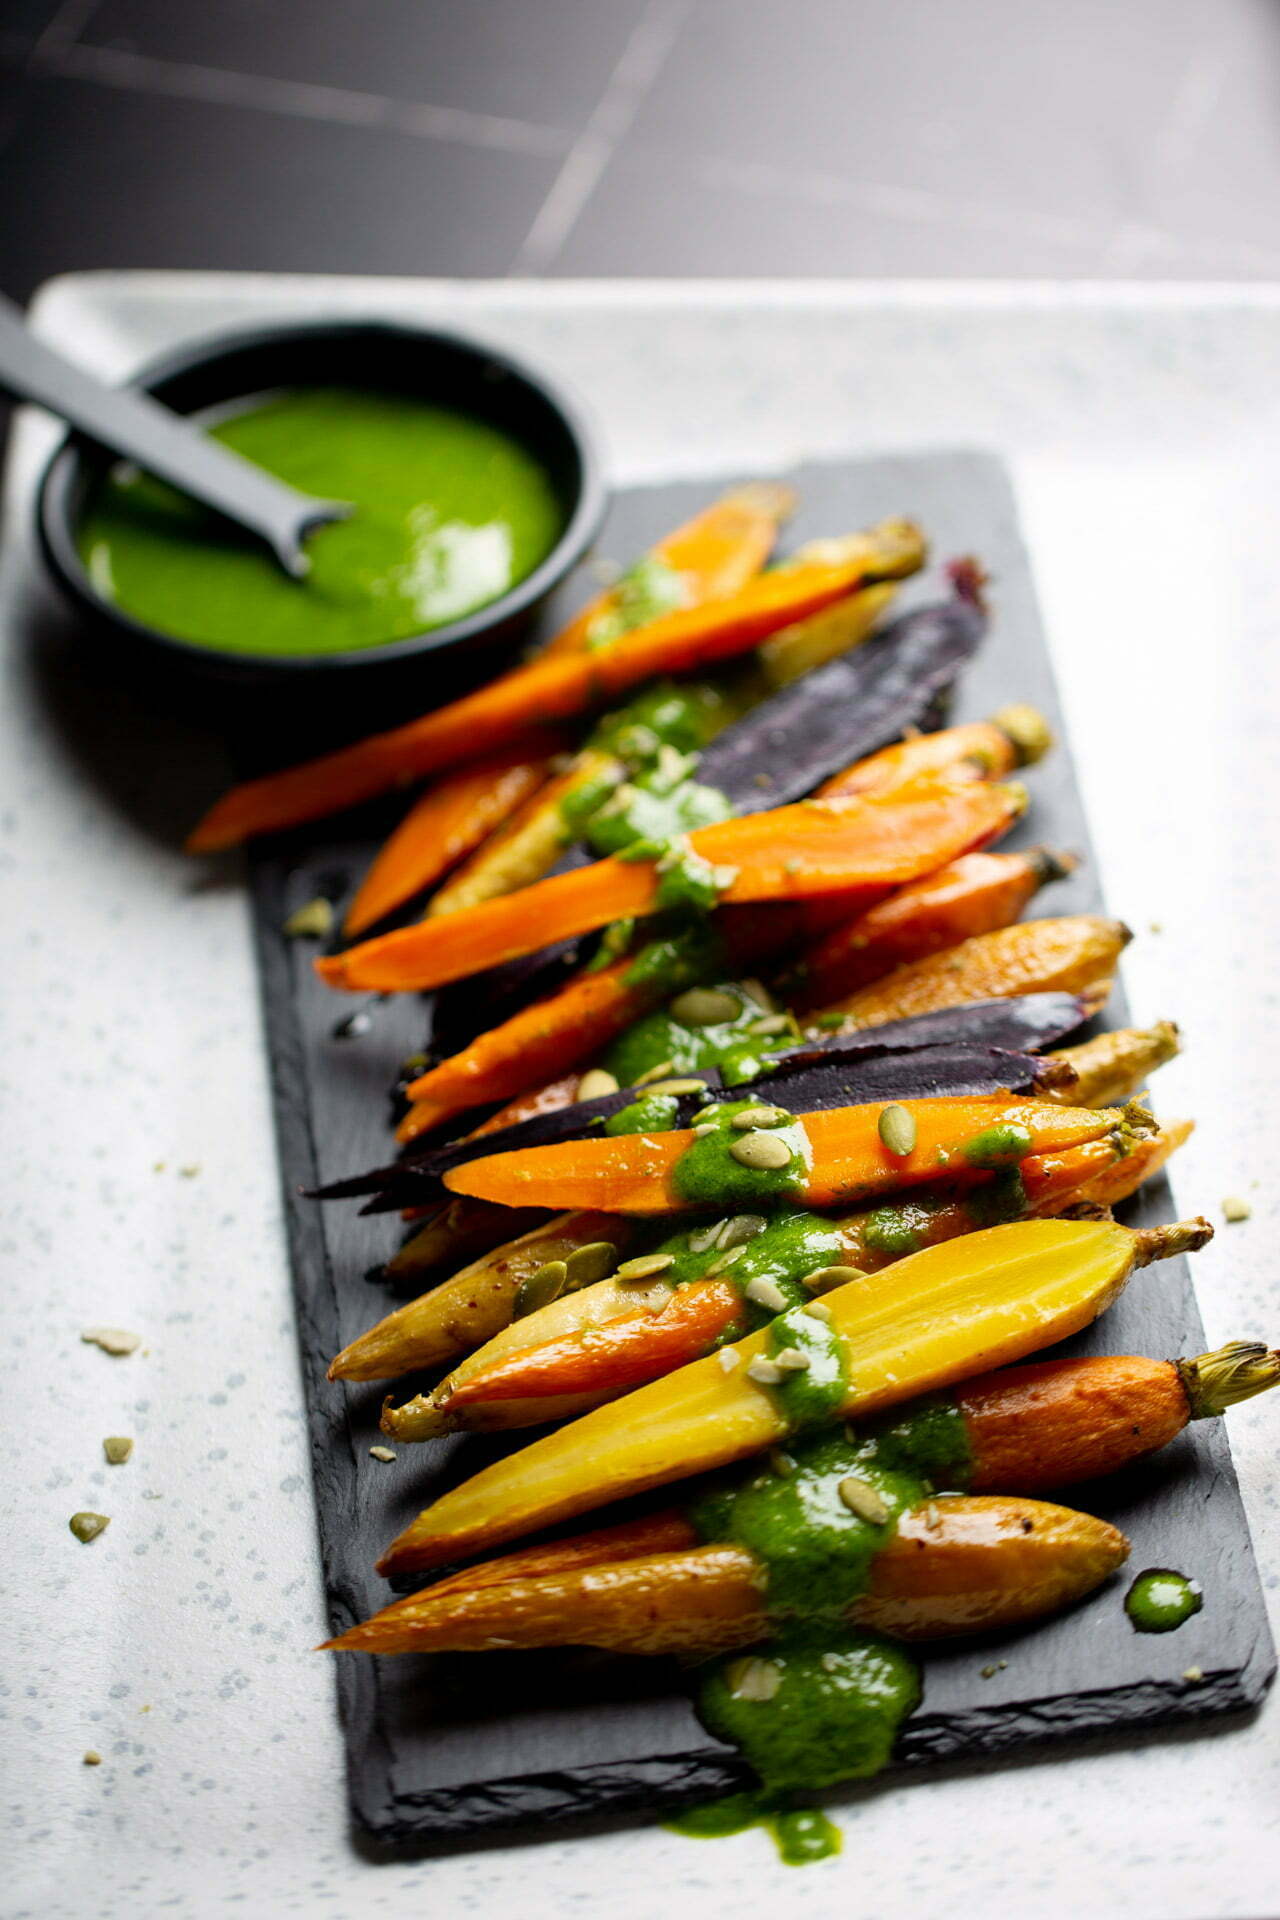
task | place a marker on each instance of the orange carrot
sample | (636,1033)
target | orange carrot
(620,1353)
(1075,954)
(988,749)
(548,690)
(815,847)
(446,824)
(539,1041)
(976,894)
(849,1162)
(715,554)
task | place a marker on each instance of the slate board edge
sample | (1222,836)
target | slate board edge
(654,1784)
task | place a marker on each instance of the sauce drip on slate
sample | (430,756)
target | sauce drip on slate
(1161,1599)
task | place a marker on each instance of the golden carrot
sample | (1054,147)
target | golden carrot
(1077,954)
(973,895)
(930,1321)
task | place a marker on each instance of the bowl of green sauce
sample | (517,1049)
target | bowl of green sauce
(473,478)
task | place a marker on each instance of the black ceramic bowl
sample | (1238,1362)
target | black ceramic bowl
(465,375)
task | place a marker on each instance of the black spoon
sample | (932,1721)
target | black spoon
(165,444)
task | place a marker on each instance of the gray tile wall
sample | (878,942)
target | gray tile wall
(927,137)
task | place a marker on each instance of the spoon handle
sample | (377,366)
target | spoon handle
(129,422)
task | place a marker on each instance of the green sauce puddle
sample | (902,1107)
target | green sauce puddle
(821,1702)
(450,514)
(1161,1600)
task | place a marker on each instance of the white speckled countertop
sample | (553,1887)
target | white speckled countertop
(1143,429)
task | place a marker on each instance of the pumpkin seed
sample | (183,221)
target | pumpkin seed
(659,1072)
(677,1086)
(586,1265)
(381,1453)
(87,1526)
(741,1227)
(314,921)
(702,1239)
(763,1152)
(818,1310)
(729,1360)
(540,1288)
(897,1130)
(704,1007)
(764,1372)
(753,1678)
(791,1360)
(861,1498)
(595,1083)
(760,1117)
(112,1339)
(823,1279)
(645,1265)
(92,1758)
(117,1449)
(767,1293)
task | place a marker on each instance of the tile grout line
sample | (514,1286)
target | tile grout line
(144,73)
(638,67)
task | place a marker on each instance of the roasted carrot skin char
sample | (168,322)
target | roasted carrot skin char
(554,689)
(811,848)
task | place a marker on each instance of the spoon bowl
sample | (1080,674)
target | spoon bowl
(465,376)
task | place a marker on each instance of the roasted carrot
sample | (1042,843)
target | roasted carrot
(1114,1065)
(973,895)
(529,843)
(548,690)
(445,824)
(585,1347)
(989,749)
(837,1157)
(1110,1185)
(541,1040)
(459,1230)
(1077,954)
(714,554)
(930,1321)
(468,1309)
(1029,1429)
(625,1352)
(814,847)
(968,1564)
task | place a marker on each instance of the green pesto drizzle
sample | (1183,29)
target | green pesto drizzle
(651,1113)
(707,1173)
(999,1146)
(731,1045)
(1161,1599)
(839,1694)
(810,1396)
(789,1245)
(646,591)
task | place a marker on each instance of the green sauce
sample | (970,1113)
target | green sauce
(708,1174)
(683,715)
(1160,1600)
(779,1250)
(652,1113)
(450,514)
(645,592)
(821,1702)
(1000,1146)
(732,1045)
(802,1835)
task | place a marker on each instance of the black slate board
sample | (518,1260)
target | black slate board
(446,1749)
